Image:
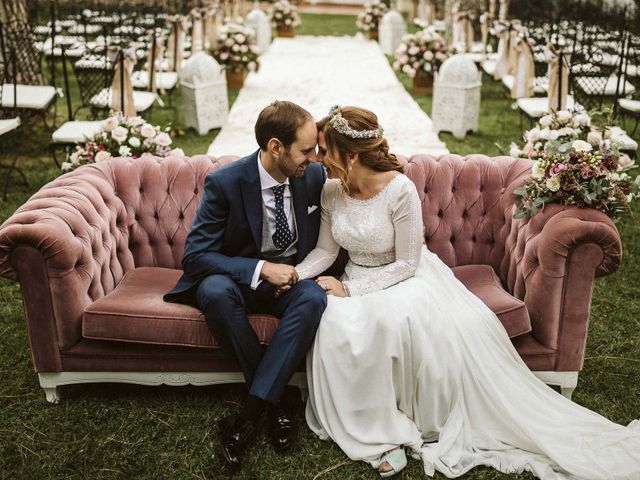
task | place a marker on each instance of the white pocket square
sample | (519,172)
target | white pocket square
(311,209)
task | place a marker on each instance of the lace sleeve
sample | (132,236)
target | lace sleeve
(406,215)
(327,249)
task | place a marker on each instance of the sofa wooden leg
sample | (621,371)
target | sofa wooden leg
(567,391)
(567,381)
(52,394)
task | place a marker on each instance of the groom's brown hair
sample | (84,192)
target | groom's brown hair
(281,120)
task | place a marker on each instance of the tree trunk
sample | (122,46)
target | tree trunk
(17,36)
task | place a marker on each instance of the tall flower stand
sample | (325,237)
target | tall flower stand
(285,31)
(423,83)
(373,35)
(235,78)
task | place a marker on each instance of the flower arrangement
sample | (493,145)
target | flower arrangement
(284,16)
(122,136)
(421,52)
(369,19)
(238,47)
(577,173)
(562,126)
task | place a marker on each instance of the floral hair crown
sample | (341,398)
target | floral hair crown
(340,124)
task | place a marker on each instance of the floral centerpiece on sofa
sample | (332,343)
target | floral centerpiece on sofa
(577,173)
(369,19)
(284,16)
(419,55)
(563,126)
(122,136)
(238,50)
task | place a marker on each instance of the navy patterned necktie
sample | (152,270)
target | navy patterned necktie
(282,236)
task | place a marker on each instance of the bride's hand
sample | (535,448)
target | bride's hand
(332,286)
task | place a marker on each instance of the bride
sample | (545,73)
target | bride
(407,358)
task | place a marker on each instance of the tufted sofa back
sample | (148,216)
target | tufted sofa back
(124,213)
(467,205)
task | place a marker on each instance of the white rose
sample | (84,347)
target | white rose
(66,166)
(537,171)
(554,134)
(428,55)
(546,121)
(177,151)
(581,146)
(563,116)
(514,150)
(119,134)
(109,124)
(533,135)
(581,120)
(147,131)
(124,151)
(553,183)
(414,51)
(594,137)
(624,160)
(102,156)
(545,133)
(134,142)
(566,132)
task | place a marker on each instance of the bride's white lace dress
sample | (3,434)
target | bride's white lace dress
(413,358)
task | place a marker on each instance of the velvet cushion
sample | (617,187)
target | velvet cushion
(483,282)
(135,312)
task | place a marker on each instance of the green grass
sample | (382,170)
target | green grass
(114,431)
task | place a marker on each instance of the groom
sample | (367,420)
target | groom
(258,217)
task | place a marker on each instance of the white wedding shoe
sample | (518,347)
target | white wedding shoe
(396,459)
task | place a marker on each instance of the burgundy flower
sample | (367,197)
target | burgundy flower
(585,171)
(610,161)
(625,186)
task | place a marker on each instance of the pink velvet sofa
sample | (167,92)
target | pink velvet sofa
(95,250)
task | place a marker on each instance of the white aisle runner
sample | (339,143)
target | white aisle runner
(318,72)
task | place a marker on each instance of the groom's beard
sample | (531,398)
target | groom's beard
(289,167)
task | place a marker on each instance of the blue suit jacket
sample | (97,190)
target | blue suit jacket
(226,235)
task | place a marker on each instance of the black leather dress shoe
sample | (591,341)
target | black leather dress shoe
(281,430)
(236,434)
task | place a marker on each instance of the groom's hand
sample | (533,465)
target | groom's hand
(278,274)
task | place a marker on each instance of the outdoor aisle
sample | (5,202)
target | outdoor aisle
(318,72)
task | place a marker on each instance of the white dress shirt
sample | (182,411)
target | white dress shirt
(268,198)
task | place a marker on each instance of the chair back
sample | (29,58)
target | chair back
(94,72)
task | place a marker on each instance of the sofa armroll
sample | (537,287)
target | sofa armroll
(553,261)
(75,230)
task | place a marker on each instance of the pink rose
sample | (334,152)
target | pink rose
(147,131)
(163,139)
(558,168)
(119,134)
(110,123)
(529,150)
(102,156)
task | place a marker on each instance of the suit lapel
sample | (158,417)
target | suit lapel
(299,195)
(252,199)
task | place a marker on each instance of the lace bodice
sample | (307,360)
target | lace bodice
(383,236)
